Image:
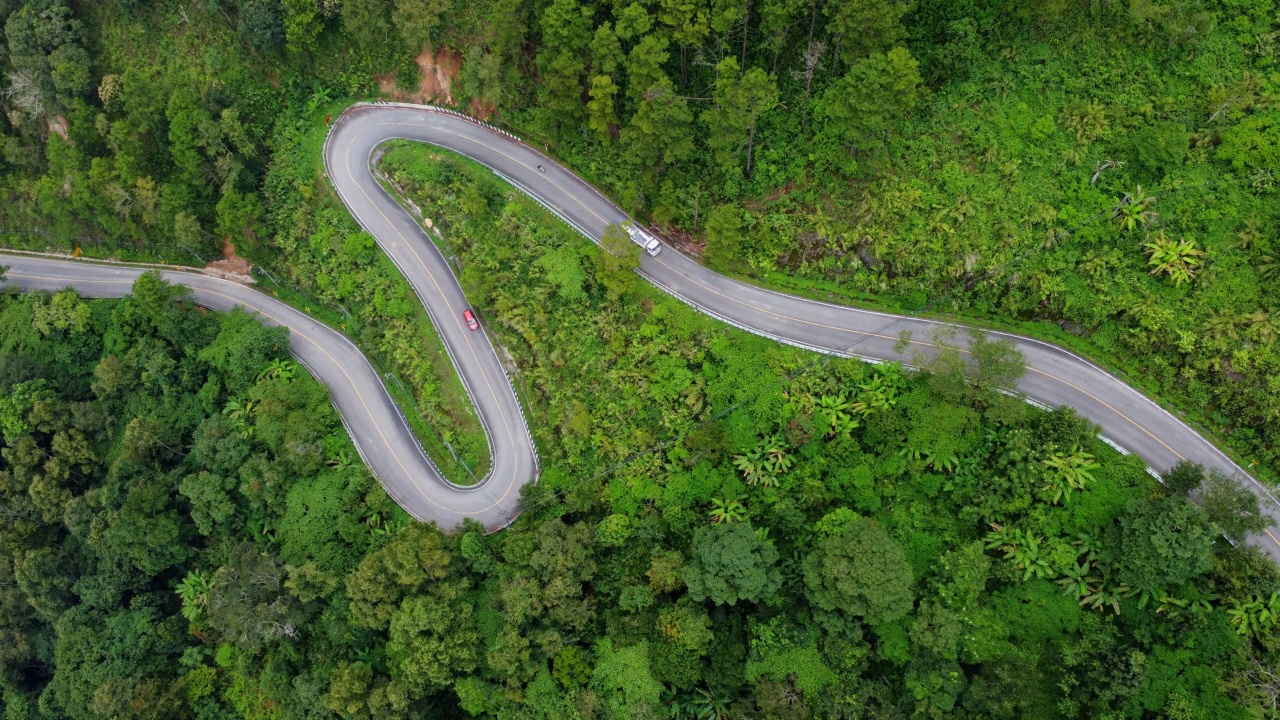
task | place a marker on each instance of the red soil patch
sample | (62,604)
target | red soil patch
(231,264)
(683,241)
(481,110)
(438,69)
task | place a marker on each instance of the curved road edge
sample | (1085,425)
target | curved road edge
(374,422)
(1128,420)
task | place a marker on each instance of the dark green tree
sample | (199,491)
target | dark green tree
(249,603)
(1160,544)
(860,570)
(863,27)
(876,92)
(732,562)
(740,98)
(1233,506)
(417,21)
(659,131)
(1184,478)
(261,23)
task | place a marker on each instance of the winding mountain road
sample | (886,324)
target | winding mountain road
(1055,377)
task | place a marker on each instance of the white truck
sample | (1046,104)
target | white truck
(642,238)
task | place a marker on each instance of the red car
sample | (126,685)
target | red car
(471,319)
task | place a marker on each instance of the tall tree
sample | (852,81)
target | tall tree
(876,91)
(644,66)
(731,562)
(724,234)
(606,51)
(860,570)
(366,22)
(740,100)
(602,114)
(417,21)
(659,131)
(860,28)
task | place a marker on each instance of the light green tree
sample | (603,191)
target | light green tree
(432,640)
(606,51)
(1178,259)
(602,114)
(725,225)
(625,681)
(616,263)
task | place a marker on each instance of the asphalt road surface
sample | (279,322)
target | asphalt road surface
(384,440)
(1055,377)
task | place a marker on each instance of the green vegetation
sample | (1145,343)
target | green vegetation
(180,500)
(184,531)
(1102,174)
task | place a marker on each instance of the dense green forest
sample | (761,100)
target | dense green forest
(724,527)
(186,535)
(1101,173)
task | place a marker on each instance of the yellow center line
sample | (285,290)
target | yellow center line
(785,317)
(506,423)
(318,346)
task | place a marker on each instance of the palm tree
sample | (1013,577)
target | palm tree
(1104,596)
(1195,602)
(1087,545)
(1268,267)
(241,412)
(752,465)
(1249,234)
(1134,210)
(707,706)
(1087,118)
(1022,548)
(878,394)
(279,369)
(763,464)
(1263,327)
(194,591)
(942,462)
(836,413)
(1076,580)
(728,510)
(1255,617)
(1220,329)
(1179,259)
(1067,473)
(1094,264)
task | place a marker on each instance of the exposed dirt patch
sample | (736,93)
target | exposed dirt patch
(438,71)
(779,193)
(482,110)
(231,266)
(438,74)
(58,126)
(683,241)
